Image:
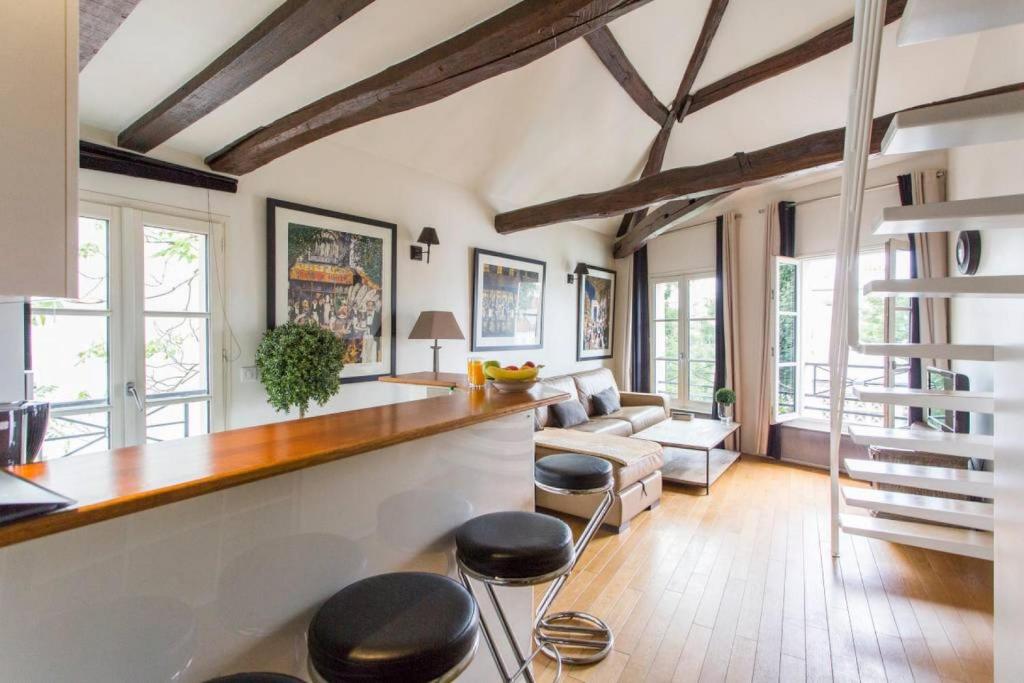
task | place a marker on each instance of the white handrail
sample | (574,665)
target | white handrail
(868,23)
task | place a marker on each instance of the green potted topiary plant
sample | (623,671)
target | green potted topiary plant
(299,363)
(725,398)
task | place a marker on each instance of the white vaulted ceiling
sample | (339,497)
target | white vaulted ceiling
(556,127)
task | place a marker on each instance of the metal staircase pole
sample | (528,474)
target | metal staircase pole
(868,24)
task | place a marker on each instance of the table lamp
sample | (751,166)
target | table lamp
(436,325)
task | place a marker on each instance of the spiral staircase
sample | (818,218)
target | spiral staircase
(963,527)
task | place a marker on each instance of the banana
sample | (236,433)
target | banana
(503,375)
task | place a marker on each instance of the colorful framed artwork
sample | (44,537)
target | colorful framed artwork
(595,314)
(338,271)
(508,301)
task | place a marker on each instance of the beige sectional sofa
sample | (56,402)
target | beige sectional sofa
(636,464)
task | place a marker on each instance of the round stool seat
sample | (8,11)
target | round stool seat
(406,626)
(256,677)
(514,545)
(573,472)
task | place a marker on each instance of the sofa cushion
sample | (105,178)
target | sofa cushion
(605,425)
(606,402)
(569,414)
(641,417)
(592,382)
(564,384)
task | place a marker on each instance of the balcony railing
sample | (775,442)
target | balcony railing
(818,393)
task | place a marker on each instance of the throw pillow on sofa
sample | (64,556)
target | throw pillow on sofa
(569,413)
(606,402)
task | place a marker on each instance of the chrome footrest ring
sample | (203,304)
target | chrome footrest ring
(574,637)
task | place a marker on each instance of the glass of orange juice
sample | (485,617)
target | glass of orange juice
(475,371)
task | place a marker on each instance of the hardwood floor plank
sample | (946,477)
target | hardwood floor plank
(719,652)
(741,661)
(792,669)
(692,658)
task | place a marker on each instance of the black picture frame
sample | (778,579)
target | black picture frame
(475,338)
(580,285)
(272,206)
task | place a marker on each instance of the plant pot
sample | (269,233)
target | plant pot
(725,413)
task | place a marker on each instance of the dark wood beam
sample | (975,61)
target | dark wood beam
(825,42)
(740,170)
(680,104)
(510,39)
(97,21)
(289,29)
(614,59)
(700,51)
(661,219)
(96,157)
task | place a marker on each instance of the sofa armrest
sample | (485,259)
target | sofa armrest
(633,398)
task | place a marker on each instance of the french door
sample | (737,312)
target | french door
(137,358)
(683,334)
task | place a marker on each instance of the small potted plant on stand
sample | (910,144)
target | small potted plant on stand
(725,398)
(299,363)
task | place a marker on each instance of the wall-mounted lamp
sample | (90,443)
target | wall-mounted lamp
(581,270)
(428,236)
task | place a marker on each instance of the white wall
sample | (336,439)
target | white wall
(693,248)
(331,176)
(984,171)
(12,350)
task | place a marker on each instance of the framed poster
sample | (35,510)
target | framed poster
(337,271)
(508,301)
(595,314)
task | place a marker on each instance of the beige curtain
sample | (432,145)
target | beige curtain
(765,400)
(624,303)
(932,261)
(731,309)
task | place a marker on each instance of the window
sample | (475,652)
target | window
(136,359)
(683,323)
(803,312)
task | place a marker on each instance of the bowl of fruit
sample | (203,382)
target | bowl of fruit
(512,378)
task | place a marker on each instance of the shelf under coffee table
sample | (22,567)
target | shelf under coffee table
(691,448)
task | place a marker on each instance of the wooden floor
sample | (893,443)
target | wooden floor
(741,586)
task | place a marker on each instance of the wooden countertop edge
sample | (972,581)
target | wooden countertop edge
(92,513)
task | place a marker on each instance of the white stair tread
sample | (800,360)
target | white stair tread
(965,214)
(995,118)
(981,352)
(964,513)
(970,401)
(948,479)
(984,286)
(946,539)
(927,20)
(926,440)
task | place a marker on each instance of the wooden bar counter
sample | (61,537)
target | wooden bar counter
(126,480)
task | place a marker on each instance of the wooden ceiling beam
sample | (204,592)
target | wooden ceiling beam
(661,219)
(510,39)
(740,170)
(680,105)
(822,44)
(97,21)
(615,60)
(286,32)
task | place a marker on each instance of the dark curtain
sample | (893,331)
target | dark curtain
(640,372)
(787,229)
(906,199)
(719,315)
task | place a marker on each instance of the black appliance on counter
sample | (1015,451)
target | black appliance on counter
(22,430)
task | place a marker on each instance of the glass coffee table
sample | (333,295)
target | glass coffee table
(691,449)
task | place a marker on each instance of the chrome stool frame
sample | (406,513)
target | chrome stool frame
(489,582)
(551,631)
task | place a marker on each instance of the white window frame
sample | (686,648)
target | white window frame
(126,317)
(682,280)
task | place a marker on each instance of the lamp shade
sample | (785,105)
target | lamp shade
(581,269)
(436,325)
(429,236)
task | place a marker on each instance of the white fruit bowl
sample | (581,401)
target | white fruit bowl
(514,386)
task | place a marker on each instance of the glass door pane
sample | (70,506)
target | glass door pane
(176,332)
(700,340)
(666,338)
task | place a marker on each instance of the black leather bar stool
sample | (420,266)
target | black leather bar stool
(573,474)
(512,549)
(405,626)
